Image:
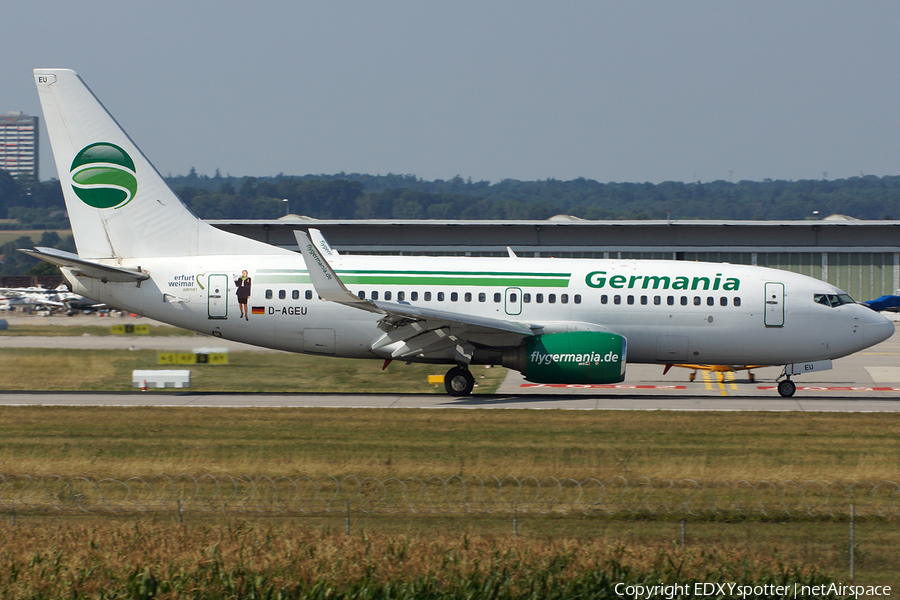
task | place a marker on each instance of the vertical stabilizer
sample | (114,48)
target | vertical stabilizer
(118,204)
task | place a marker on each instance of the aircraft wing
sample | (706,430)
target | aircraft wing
(421,330)
(88,268)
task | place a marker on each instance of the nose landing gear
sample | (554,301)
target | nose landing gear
(786,388)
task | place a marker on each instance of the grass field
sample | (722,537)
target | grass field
(19,330)
(121,442)
(11,235)
(245,559)
(559,553)
(110,370)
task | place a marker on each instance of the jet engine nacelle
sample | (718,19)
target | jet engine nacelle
(570,357)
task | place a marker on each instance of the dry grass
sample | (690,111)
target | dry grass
(123,442)
(246,559)
(19,330)
(39,369)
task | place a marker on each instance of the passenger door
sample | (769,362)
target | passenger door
(217,297)
(774,304)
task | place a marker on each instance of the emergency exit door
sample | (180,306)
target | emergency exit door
(513,301)
(774,304)
(217,297)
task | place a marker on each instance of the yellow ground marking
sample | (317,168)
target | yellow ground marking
(732,378)
(708,380)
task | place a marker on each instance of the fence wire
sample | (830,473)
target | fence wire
(456,495)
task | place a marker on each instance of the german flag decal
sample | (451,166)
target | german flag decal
(258,310)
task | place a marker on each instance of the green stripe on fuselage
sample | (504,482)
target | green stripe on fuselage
(422,278)
(455,281)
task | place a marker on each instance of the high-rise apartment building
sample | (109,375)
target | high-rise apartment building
(19,144)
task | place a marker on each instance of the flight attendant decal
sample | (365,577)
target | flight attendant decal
(242,284)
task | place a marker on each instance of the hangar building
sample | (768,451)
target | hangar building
(860,257)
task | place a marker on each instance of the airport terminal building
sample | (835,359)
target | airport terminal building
(860,257)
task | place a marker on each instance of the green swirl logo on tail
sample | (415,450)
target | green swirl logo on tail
(103,176)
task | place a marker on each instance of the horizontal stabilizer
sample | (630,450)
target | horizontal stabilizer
(87,268)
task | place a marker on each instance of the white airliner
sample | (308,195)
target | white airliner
(556,320)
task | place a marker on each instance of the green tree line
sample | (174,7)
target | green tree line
(39,205)
(356,196)
(30,205)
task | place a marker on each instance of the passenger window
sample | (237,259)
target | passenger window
(374,295)
(427,296)
(710,301)
(512,298)
(670,300)
(498,297)
(657,300)
(295,295)
(737,301)
(723,301)
(539,298)
(603,299)
(440,297)
(454,296)
(387,295)
(551,298)
(630,299)
(482,297)
(361,294)
(617,299)
(564,298)
(268,294)
(282,294)
(684,300)
(401,296)
(309,294)
(643,299)
(413,296)
(577,298)
(526,298)
(697,300)
(468,297)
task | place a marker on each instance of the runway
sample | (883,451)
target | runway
(868,381)
(617,401)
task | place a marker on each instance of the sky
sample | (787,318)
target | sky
(607,90)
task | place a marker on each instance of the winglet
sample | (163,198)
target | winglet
(322,244)
(328,285)
(511,253)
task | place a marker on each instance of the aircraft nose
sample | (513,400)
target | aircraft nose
(877,330)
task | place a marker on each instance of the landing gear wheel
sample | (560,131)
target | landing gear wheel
(786,388)
(459,382)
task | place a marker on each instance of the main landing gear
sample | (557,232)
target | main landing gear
(459,381)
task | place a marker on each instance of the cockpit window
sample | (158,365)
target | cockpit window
(833,300)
